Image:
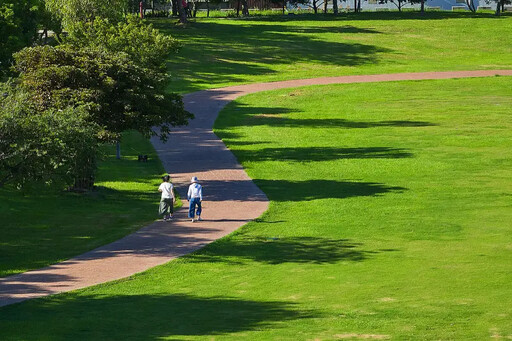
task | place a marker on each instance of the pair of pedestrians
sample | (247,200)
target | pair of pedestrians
(194,196)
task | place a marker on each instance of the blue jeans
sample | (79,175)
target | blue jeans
(192,207)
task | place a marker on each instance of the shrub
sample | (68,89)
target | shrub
(47,146)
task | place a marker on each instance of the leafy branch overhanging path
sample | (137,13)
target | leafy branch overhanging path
(231,198)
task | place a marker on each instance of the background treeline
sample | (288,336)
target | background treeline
(95,72)
(236,8)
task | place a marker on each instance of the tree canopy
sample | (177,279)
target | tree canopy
(73,12)
(118,93)
(18,27)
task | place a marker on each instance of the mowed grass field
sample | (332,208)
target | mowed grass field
(44,226)
(221,52)
(389,219)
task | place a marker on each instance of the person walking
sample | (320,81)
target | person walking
(167,200)
(195,196)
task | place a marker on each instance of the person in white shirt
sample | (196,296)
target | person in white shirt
(195,197)
(167,200)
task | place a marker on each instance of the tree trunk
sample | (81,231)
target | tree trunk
(471,5)
(118,150)
(175,10)
(325,6)
(182,12)
(245,8)
(498,7)
(194,9)
(207,8)
(284,5)
(315,7)
(335,6)
(422,6)
(355,6)
(359,6)
(238,8)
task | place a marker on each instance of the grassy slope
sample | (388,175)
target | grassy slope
(220,52)
(390,216)
(45,228)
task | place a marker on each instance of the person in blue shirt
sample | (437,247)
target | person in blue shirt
(195,197)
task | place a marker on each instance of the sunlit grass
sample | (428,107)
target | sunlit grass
(221,52)
(389,219)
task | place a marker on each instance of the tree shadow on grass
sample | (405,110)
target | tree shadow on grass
(143,317)
(45,228)
(282,250)
(216,53)
(272,117)
(282,190)
(313,154)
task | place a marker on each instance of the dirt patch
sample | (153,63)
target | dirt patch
(387,299)
(267,116)
(362,336)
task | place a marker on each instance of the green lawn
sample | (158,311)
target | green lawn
(220,52)
(390,218)
(44,227)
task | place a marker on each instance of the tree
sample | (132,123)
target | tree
(399,3)
(335,6)
(145,45)
(500,5)
(245,8)
(43,146)
(357,6)
(118,94)
(73,12)
(471,5)
(18,27)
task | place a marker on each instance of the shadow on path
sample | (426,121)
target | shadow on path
(285,190)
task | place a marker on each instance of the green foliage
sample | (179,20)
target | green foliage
(18,26)
(49,145)
(118,94)
(73,12)
(145,45)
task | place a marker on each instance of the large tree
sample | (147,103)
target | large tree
(118,94)
(500,5)
(18,27)
(143,44)
(73,12)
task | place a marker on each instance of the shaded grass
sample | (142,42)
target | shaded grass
(45,227)
(221,52)
(414,247)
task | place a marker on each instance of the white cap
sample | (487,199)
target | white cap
(194,179)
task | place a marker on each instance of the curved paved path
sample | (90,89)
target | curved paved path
(231,198)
